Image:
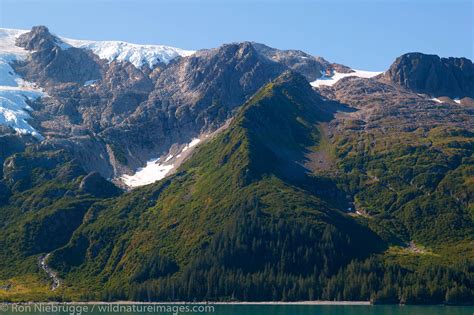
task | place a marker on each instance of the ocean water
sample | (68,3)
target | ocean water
(342,310)
(103,309)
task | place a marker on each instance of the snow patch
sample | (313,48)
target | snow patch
(437,100)
(154,170)
(331,80)
(7,42)
(90,82)
(193,143)
(138,55)
(14,91)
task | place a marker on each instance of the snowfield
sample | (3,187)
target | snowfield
(14,91)
(154,170)
(138,55)
(330,81)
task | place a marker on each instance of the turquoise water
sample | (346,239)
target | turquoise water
(343,310)
(249,309)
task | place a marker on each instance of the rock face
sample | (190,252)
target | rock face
(204,88)
(430,74)
(39,38)
(309,66)
(52,62)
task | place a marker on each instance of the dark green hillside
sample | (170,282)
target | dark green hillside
(228,225)
(44,198)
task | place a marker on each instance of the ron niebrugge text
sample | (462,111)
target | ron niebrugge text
(80,309)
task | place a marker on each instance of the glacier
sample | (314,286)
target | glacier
(14,91)
(138,55)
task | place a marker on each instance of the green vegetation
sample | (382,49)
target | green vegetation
(44,204)
(243,219)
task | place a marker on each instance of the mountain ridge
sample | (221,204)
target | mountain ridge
(179,94)
(276,190)
(212,174)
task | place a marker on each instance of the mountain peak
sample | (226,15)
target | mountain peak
(38,38)
(430,74)
(291,78)
(40,29)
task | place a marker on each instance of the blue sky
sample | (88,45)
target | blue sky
(366,34)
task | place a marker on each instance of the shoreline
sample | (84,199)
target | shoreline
(340,303)
(271,303)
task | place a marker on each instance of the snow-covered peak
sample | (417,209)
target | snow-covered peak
(138,55)
(7,42)
(14,91)
(331,80)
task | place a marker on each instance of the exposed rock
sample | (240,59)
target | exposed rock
(39,38)
(52,63)
(453,77)
(468,101)
(310,67)
(390,108)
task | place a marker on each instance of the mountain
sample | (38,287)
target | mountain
(430,74)
(245,173)
(241,178)
(104,105)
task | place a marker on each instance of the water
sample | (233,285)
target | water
(342,310)
(236,309)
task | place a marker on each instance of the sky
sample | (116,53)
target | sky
(366,34)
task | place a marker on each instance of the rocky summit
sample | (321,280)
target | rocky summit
(236,173)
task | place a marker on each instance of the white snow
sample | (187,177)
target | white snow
(437,100)
(90,82)
(154,170)
(331,80)
(14,91)
(138,55)
(7,42)
(193,143)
